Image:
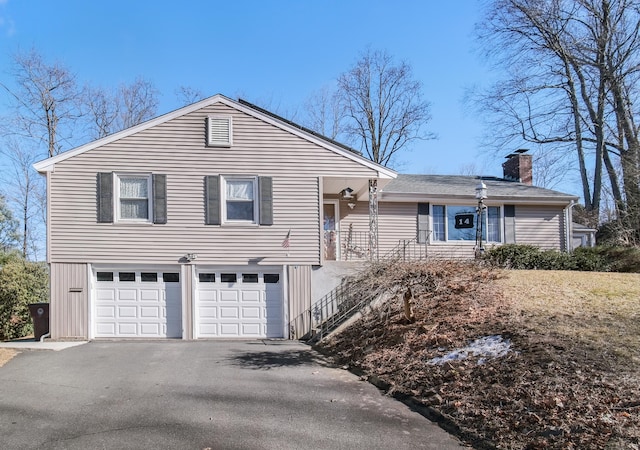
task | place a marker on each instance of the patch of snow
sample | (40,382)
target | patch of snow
(485,347)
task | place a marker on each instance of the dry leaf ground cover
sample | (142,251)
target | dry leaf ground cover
(570,379)
(5,355)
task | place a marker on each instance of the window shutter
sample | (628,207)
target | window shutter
(104,197)
(219,131)
(212,200)
(509,224)
(423,223)
(159,187)
(265,190)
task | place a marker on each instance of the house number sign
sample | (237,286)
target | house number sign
(464,220)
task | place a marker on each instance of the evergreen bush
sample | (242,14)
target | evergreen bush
(21,283)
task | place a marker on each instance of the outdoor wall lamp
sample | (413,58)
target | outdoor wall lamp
(351,204)
(347,193)
(191,256)
(481,191)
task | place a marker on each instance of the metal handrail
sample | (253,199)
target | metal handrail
(340,304)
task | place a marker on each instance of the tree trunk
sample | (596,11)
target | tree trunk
(408,311)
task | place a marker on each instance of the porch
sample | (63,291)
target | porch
(354,245)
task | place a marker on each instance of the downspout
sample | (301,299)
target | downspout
(568,218)
(47,335)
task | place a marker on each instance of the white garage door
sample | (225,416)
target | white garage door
(134,303)
(245,304)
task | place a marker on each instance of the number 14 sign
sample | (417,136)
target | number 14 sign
(464,220)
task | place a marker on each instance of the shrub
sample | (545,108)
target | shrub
(518,256)
(621,259)
(21,283)
(591,259)
(596,259)
(513,256)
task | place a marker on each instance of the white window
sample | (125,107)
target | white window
(439,227)
(219,131)
(133,198)
(239,203)
(443,220)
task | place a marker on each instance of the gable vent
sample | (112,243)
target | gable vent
(219,131)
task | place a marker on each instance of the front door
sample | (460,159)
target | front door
(331,231)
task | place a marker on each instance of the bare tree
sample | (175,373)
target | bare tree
(139,102)
(45,100)
(383,106)
(26,187)
(187,95)
(102,112)
(324,113)
(127,106)
(572,67)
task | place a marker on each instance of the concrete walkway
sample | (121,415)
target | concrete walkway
(199,395)
(47,344)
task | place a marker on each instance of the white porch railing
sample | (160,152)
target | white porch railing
(346,246)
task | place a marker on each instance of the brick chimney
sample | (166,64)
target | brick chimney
(519,167)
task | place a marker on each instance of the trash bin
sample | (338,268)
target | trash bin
(40,316)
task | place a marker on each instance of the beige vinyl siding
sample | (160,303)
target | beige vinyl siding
(299,279)
(451,250)
(186,280)
(396,222)
(542,226)
(177,149)
(68,312)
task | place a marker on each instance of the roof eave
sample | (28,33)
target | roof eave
(421,197)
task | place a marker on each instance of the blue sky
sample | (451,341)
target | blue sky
(274,53)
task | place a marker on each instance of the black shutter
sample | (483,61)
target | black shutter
(509,224)
(265,192)
(159,187)
(423,223)
(104,197)
(212,200)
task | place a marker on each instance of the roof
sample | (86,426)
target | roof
(434,187)
(293,124)
(582,228)
(48,164)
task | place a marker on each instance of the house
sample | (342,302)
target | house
(583,236)
(222,220)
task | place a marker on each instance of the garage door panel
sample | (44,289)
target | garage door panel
(105,295)
(251,296)
(208,329)
(128,312)
(147,295)
(127,329)
(127,294)
(230,329)
(252,329)
(150,329)
(227,309)
(250,312)
(208,296)
(227,312)
(151,311)
(106,329)
(229,295)
(107,312)
(208,312)
(136,308)
(273,330)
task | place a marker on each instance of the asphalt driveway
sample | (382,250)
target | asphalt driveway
(199,395)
